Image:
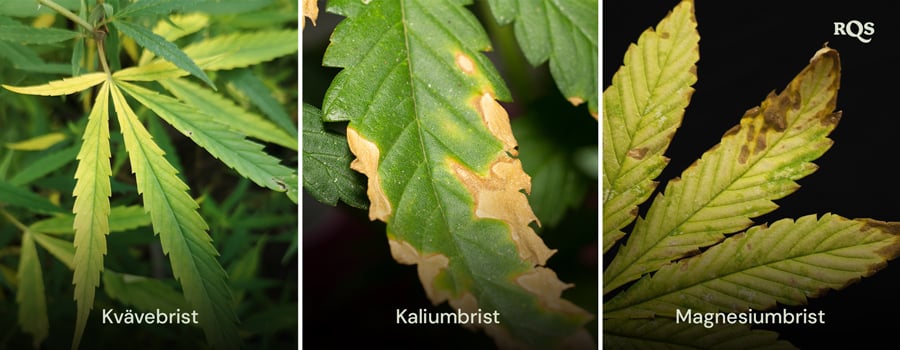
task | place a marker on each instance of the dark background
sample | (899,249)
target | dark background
(748,49)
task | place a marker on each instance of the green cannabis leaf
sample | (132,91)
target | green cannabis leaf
(563,32)
(326,164)
(442,167)
(162,48)
(756,162)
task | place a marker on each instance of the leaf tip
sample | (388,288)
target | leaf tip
(891,228)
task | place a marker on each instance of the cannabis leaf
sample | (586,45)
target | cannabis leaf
(641,111)
(162,48)
(440,158)
(30,296)
(91,208)
(757,161)
(563,32)
(181,229)
(786,263)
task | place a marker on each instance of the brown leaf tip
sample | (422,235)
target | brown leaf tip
(366,162)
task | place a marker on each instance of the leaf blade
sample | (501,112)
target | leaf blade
(226,144)
(223,52)
(563,32)
(162,48)
(65,86)
(229,113)
(91,209)
(785,263)
(641,112)
(326,164)
(30,296)
(31,35)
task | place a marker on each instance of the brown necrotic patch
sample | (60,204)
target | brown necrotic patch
(501,195)
(637,153)
(496,119)
(464,63)
(366,162)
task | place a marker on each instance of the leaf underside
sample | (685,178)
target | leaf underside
(756,162)
(420,99)
(641,111)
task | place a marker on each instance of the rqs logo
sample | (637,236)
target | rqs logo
(855,29)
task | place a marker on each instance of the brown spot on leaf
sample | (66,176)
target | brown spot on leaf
(465,63)
(637,153)
(575,100)
(497,121)
(745,153)
(366,162)
(760,144)
(774,111)
(733,131)
(664,35)
(429,266)
(751,112)
(500,196)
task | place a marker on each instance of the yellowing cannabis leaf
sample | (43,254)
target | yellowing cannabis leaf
(784,263)
(92,208)
(641,111)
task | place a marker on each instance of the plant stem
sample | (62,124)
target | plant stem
(101,51)
(68,14)
(13,220)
